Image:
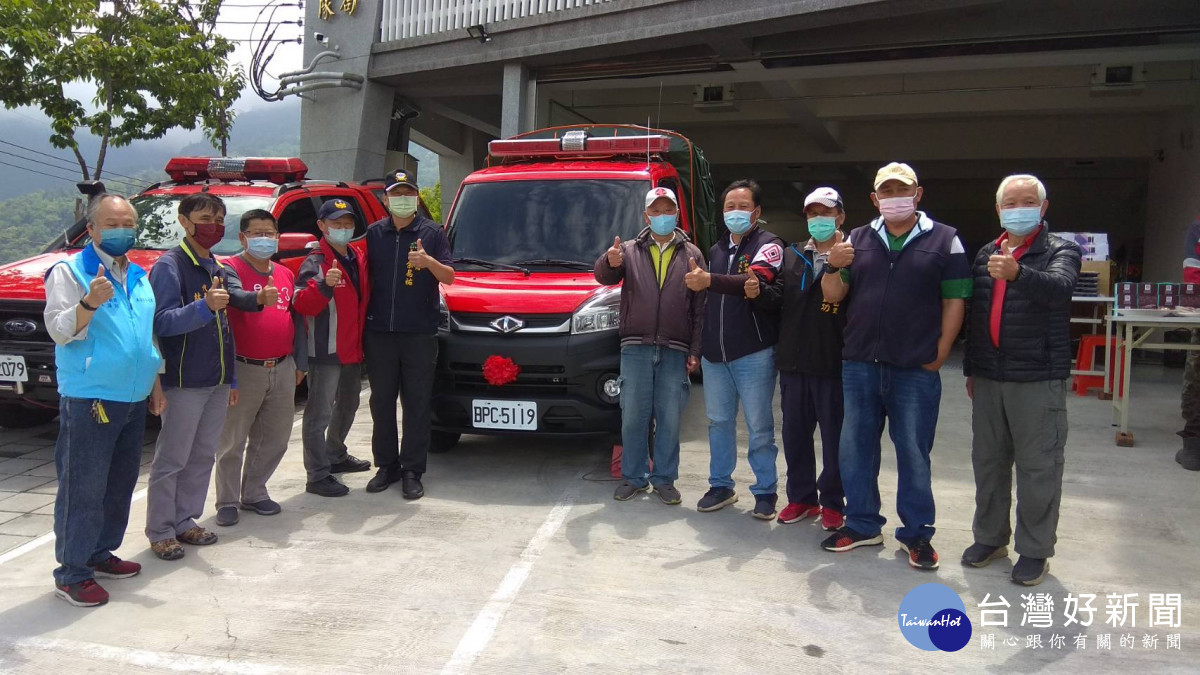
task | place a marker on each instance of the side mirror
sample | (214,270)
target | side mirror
(293,244)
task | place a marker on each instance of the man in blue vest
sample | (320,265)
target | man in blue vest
(907,299)
(100,313)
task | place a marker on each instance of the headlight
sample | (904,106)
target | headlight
(602,312)
(443,313)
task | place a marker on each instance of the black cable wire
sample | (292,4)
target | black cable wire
(73,164)
(25,168)
(132,188)
(137,185)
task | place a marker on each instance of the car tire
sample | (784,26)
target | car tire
(22,416)
(443,441)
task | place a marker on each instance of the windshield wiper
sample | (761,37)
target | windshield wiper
(572,264)
(492,265)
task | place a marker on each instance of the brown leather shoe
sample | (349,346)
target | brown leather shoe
(198,536)
(167,549)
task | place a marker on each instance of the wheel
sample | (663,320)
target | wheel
(22,416)
(443,441)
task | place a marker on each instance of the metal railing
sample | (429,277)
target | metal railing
(413,18)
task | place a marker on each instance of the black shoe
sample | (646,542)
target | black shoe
(982,555)
(716,498)
(327,487)
(1030,571)
(921,554)
(227,515)
(412,488)
(385,476)
(764,506)
(845,539)
(1189,456)
(351,464)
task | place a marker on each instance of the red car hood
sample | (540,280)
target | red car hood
(515,293)
(25,279)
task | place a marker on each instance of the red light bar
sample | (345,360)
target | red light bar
(608,145)
(273,169)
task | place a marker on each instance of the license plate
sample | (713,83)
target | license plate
(12,369)
(521,415)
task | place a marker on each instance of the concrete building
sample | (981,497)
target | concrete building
(1098,98)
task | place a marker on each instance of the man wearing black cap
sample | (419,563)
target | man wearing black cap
(408,255)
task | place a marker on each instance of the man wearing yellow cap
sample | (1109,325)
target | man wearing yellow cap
(911,277)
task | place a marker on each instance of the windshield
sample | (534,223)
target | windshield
(159,228)
(530,220)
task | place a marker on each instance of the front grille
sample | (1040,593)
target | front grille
(532,381)
(474,320)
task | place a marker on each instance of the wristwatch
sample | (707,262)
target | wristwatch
(83,304)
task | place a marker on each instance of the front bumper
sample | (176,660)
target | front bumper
(562,373)
(23,333)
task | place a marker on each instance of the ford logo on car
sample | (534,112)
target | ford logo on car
(20,326)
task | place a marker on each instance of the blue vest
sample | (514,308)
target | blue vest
(117,361)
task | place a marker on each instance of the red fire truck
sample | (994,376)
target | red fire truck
(525,232)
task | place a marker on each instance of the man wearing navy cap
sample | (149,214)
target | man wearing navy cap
(408,255)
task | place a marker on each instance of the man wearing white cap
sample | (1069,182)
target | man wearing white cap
(809,359)
(906,304)
(660,325)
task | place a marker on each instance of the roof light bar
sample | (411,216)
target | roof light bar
(274,169)
(578,143)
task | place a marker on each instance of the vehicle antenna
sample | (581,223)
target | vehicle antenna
(658,114)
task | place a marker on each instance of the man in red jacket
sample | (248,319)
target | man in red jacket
(331,295)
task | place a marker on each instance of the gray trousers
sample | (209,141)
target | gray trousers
(183,459)
(1022,423)
(333,398)
(263,416)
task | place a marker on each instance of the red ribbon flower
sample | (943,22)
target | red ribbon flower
(500,370)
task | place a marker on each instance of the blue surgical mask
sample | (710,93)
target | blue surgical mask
(117,242)
(339,236)
(738,222)
(822,227)
(1021,220)
(262,247)
(664,224)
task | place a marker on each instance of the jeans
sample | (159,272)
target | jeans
(752,380)
(654,384)
(908,398)
(401,365)
(334,391)
(97,468)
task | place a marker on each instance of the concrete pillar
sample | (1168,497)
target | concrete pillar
(517,100)
(453,168)
(1173,202)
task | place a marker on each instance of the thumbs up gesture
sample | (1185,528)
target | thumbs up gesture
(269,295)
(616,256)
(842,253)
(419,259)
(333,276)
(100,290)
(752,287)
(217,298)
(697,278)
(1002,264)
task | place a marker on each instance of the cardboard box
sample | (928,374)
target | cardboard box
(1147,296)
(1105,271)
(1168,295)
(1189,295)
(1126,295)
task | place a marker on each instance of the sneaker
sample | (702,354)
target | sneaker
(115,568)
(412,488)
(197,536)
(227,515)
(795,512)
(716,498)
(845,539)
(266,507)
(831,520)
(351,464)
(764,506)
(86,593)
(327,487)
(626,490)
(167,549)
(1030,571)
(921,554)
(982,555)
(668,494)
(385,476)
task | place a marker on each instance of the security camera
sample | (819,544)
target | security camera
(321,37)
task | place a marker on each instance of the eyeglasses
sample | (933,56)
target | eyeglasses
(254,235)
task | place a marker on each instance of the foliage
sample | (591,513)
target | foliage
(29,222)
(155,65)
(432,196)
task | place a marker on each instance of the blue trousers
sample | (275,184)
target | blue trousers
(654,385)
(749,380)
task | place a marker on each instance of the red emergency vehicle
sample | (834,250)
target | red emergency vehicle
(28,385)
(525,232)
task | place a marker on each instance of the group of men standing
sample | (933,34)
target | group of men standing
(858,326)
(217,348)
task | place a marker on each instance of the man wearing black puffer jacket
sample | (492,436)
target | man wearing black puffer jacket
(1018,360)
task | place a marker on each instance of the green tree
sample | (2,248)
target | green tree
(432,196)
(154,66)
